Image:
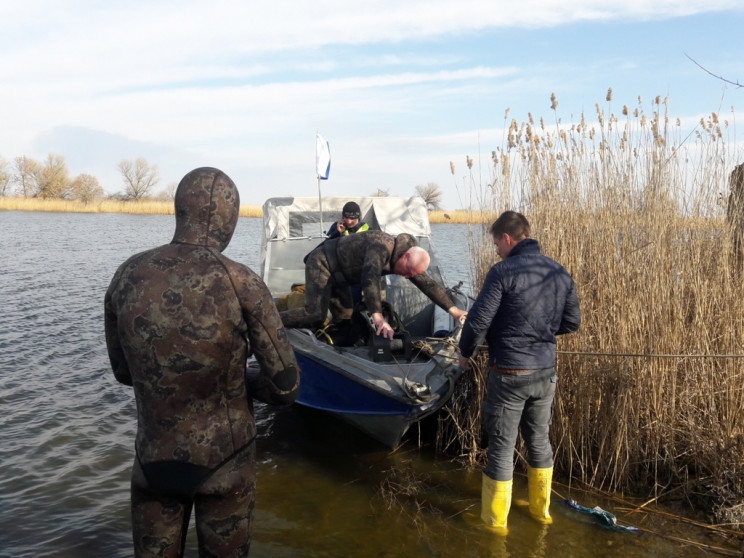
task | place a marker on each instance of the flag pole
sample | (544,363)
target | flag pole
(320,207)
(322,169)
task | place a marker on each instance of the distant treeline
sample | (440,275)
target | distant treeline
(49,180)
(165,207)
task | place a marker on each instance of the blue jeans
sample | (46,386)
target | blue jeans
(516,402)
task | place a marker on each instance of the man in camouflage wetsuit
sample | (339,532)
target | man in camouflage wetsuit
(177,318)
(361,259)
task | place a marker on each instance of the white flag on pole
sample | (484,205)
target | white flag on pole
(322,157)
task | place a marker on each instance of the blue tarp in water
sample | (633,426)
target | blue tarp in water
(600,516)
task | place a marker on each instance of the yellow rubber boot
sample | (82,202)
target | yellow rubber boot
(538,485)
(495,503)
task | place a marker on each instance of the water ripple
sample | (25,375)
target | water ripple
(66,427)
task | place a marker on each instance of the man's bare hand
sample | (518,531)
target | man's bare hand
(464,363)
(382,327)
(457,314)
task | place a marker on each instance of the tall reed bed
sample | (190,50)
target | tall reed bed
(651,388)
(140,207)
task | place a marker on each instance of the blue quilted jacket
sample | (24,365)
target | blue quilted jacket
(526,300)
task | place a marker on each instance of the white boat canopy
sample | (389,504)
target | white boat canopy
(299,225)
(390,214)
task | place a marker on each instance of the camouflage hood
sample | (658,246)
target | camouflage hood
(403,242)
(207,207)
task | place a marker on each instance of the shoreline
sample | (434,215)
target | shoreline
(158,207)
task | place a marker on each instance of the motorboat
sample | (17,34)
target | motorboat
(380,386)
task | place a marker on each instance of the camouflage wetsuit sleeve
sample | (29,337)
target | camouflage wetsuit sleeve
(118,360)
(278,381)
(431,288)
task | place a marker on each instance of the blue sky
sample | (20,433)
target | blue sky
(399,88)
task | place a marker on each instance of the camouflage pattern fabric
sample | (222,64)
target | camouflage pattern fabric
(180,321)
(223,505)
(363,258)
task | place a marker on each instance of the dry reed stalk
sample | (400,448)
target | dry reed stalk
(650,394)
(428,498)
(458,216)
(459,420)
(253,211)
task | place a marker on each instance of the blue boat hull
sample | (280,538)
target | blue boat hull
(376,414)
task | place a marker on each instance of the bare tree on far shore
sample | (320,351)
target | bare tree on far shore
(431,195)
(26,175)
(85,187)
(139,177)
(169,194)
(53,180)
(6,177)
(380,193)
(47,180)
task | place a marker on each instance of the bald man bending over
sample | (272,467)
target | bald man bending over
(361,259)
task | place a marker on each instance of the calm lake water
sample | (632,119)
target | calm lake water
(67,430)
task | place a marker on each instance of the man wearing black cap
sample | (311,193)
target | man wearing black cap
(349,222)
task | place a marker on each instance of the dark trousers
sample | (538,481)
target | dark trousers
(513,403)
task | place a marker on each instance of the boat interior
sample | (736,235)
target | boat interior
(413,316)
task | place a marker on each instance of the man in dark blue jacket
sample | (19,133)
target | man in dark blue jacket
(526,300)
